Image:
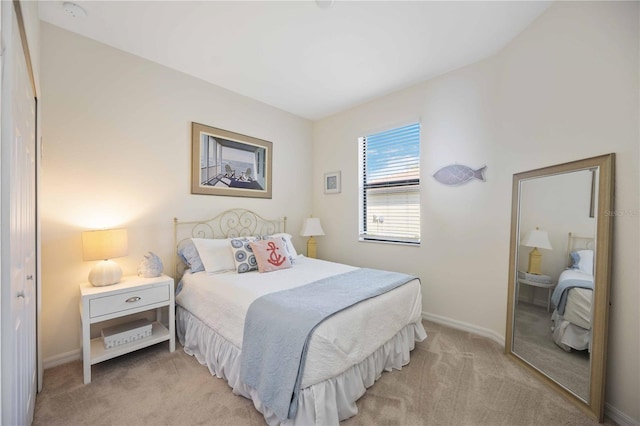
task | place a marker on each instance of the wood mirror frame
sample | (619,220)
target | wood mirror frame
(602,263)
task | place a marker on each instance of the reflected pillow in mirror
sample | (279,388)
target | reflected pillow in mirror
(575,260)
(586,261)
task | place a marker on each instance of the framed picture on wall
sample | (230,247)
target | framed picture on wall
(228,163)
(332,183)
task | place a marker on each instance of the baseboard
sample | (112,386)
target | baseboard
(464,326)
(618,416)
(610,411)
(62,359)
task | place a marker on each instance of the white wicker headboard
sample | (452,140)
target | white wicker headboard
(228,224)
(576,242)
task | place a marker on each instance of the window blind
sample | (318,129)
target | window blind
(390,185)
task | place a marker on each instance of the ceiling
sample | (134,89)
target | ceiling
(308,60)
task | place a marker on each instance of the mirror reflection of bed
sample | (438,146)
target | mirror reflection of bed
(572,297)
(559,343)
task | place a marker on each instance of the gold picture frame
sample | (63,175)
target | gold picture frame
(229,164)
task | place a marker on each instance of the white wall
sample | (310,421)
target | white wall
(117,152)
(570,90)
(565,89)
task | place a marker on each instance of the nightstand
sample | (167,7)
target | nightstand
(130,296)
(533,280)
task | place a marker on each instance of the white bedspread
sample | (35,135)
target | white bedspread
(221,301)
(578,308)
(573,329)
(574,274)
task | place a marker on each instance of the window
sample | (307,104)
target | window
(390,185)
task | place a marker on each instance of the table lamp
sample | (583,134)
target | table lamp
(104,245)
(311,228)
(536,239)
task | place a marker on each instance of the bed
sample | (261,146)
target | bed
(573,296)
(345,354)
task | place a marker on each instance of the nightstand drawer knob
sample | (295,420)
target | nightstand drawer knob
(133,299)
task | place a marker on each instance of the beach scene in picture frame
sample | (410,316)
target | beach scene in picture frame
(230,164)
(332,183)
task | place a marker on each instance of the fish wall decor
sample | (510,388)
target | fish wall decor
(457,174)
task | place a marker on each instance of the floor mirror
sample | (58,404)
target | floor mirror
(559,269)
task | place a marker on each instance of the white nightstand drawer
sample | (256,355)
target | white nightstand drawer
(129,300)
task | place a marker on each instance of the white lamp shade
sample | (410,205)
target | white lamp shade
(537,238)
(311,227)
(104,244)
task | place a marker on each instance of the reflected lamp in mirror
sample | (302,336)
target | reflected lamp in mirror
(536,239)
(104,245)
(311,228)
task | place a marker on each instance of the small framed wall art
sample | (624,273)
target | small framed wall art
(332,183)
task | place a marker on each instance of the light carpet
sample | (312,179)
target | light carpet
(454,378)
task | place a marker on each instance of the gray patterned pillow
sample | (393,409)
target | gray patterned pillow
(243,255)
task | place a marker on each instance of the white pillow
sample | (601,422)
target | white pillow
(292,250)
(586,261)
(216,254)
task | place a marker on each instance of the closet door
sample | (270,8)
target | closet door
(18,228)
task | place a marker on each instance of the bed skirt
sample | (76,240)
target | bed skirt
(323,403)
(568,335)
